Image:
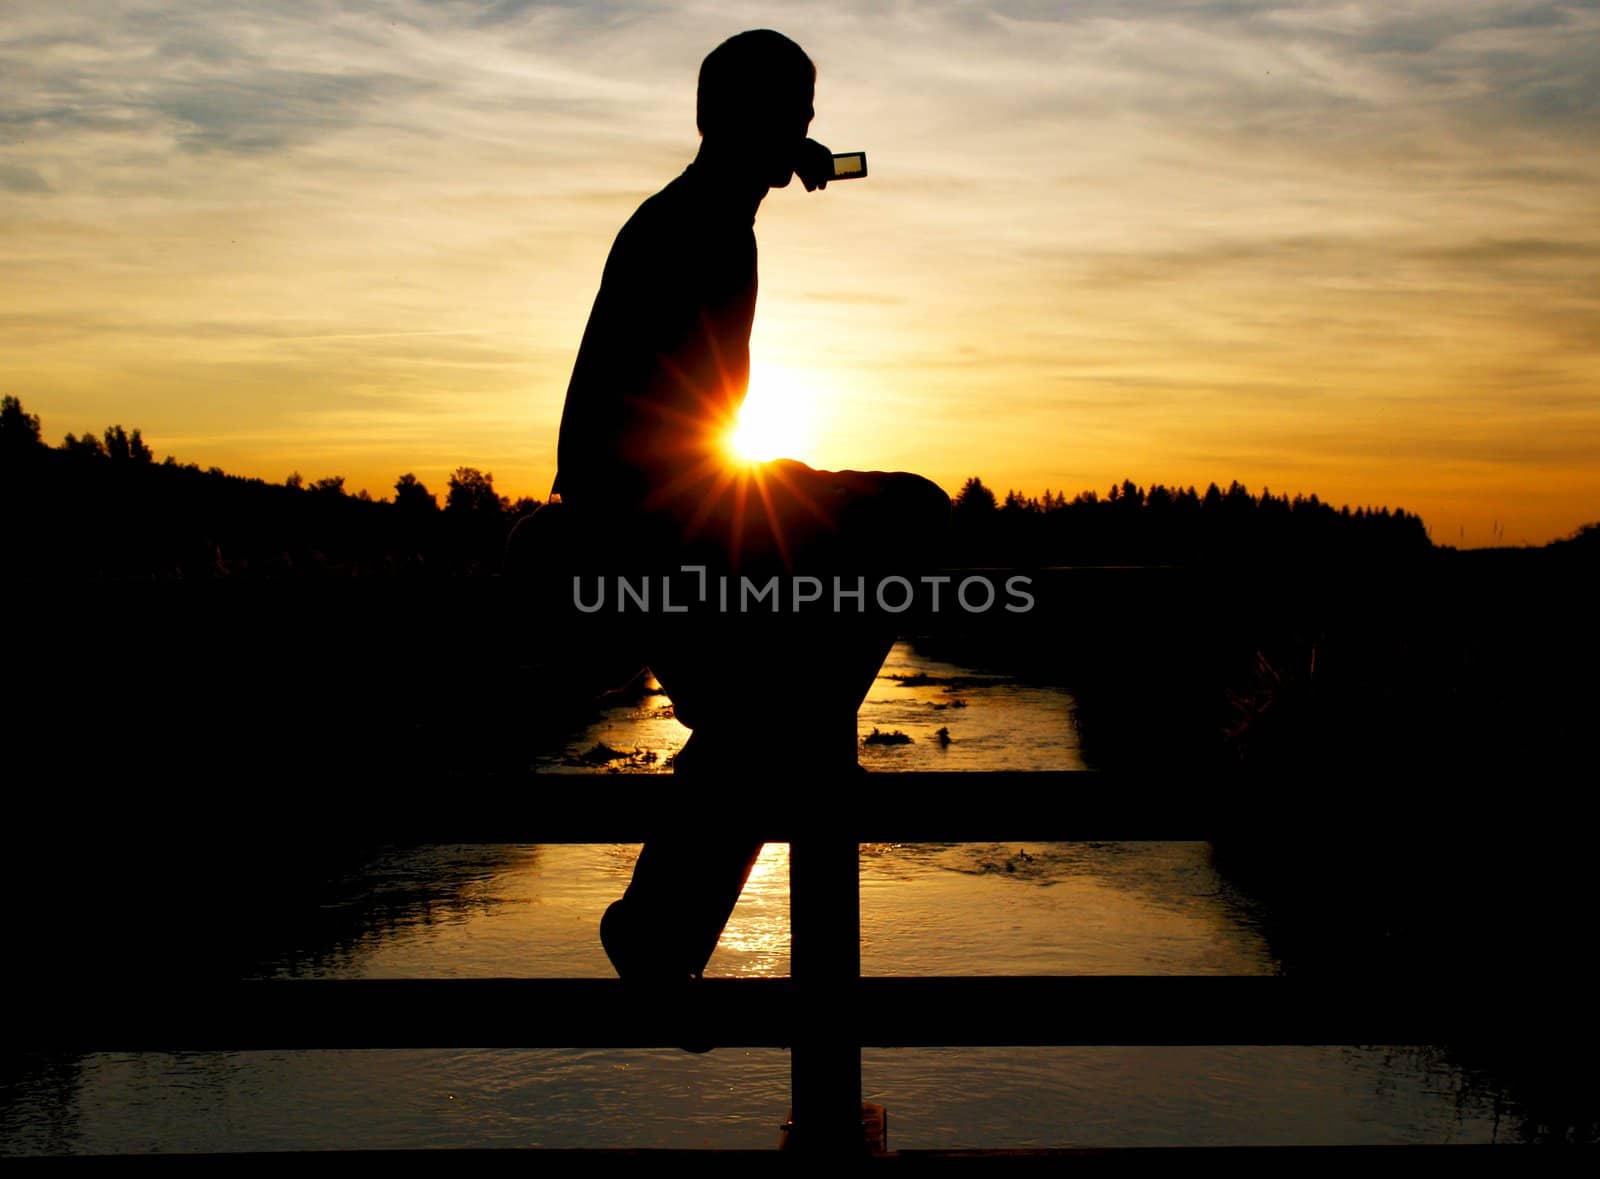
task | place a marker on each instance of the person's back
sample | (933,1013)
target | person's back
(665,359)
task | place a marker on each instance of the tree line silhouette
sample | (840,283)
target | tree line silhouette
(102,506)
(1132,525)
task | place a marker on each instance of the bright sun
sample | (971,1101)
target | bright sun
(776,420)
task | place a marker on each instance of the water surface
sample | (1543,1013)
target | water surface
(1012,908)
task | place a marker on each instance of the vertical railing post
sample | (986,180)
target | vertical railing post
(825,964)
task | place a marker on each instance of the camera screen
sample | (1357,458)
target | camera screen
(850,164)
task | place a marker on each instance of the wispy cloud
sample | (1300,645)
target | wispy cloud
(18,178)
(1099,238)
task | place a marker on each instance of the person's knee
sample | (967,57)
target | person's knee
(922,502)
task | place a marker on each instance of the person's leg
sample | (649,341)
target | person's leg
(878,519)
(684,889)
(722,671)
(770,696)
(877,524)
(668,922)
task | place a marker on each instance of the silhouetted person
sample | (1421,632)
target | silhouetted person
(643,462)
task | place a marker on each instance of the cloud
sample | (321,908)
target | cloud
(1133,223)
(267,110)
(228,78)
(17,178)
(1513,251)
(495,13)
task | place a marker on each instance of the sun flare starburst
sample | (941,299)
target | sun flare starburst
(775,421)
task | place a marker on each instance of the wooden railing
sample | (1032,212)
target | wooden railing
(825,1012)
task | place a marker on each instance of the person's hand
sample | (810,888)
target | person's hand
(815,165)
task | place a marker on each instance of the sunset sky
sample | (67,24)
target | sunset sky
(1347,248)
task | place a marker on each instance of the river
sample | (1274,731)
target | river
(1013,908)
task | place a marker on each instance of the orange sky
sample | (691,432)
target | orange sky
(1348,248)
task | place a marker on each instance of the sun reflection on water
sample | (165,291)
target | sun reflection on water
(756,940)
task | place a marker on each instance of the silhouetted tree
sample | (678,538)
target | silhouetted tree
(974,498)
(472,491)
(1582,544)
(117,444)
(411,495)
(19,429)
(295,482)
(332,485)
(137,450)
(88,445)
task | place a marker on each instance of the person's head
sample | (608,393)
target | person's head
(754,102)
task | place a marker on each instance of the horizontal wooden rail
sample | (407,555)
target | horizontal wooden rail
(910,807)
(1095,1160)
(827,1006)
(289,1014)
